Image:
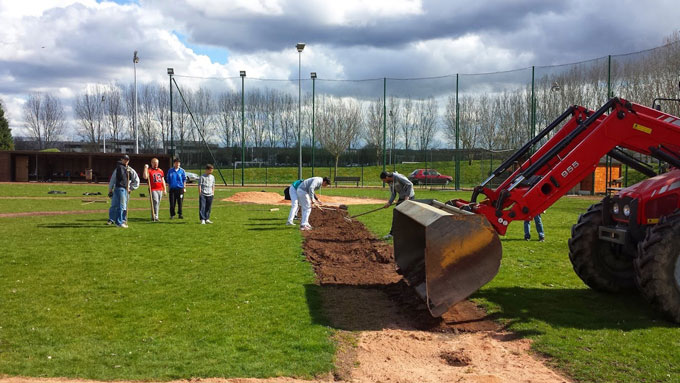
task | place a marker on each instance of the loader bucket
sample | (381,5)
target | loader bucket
(445,253)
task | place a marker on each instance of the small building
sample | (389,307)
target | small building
(599,181)
(28,165)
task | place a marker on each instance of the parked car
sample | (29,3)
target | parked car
(191,177)
(428,177)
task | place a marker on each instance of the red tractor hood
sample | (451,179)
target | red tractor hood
(655,186)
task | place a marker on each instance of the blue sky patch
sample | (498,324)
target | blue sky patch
(216,54)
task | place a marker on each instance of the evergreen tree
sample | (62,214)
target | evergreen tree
(6,141)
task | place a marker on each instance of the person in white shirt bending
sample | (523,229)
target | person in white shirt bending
(305,193)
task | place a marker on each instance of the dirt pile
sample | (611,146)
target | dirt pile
(362,289)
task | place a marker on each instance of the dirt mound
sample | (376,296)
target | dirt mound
(271,198)
(362,289)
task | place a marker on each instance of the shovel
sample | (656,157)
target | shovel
(349,219)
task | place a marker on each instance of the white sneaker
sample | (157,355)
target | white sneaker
(109,222)
(208,221)
(202,222)
(290,224)
(123,225)
(306,227)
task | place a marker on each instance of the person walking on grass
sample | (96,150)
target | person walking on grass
(118,190)
(305,194)
(291,193)
(539,228)
(399,185)
(206,192)
(133,184)
(156,179)
(176,178)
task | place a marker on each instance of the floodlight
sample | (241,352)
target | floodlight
(171,71)
(242,73)
(300,46)
(313,74)
(135,59)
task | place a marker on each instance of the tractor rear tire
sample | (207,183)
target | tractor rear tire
(601,265)
(657,268)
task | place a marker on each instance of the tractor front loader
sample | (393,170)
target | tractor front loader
(446,251)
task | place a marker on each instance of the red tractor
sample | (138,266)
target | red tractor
(625,242)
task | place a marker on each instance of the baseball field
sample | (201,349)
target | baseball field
(248,297)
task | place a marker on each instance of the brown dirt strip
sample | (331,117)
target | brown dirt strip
(398,340)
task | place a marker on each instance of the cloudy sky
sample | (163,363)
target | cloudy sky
(62,46)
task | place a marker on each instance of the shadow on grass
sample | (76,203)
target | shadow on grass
(573,308)
(71,225)
(266,228)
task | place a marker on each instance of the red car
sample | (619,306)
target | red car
(428,177)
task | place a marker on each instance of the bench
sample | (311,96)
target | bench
(347,179)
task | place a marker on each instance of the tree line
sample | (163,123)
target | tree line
(499,119)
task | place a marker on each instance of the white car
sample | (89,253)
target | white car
(191,177)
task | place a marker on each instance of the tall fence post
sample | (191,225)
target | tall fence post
(457,156)
(243,128)
(384,124)
(533,103)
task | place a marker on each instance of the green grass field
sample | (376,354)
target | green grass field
(236,299)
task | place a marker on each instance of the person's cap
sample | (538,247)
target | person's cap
(176,160)
(327,180)
(125,157)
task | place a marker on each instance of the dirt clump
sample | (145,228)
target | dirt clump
(455,358)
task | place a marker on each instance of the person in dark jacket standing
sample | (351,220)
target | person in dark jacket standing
(118,191)
(176,178)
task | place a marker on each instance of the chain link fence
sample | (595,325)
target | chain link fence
(462,125)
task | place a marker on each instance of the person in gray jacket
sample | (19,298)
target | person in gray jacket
(399,186)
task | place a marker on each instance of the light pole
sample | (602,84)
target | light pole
(313,110)
(171,72)
(300,47)
(135,60)
(243,126)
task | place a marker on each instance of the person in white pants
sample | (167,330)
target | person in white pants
(294,206)
(305,194)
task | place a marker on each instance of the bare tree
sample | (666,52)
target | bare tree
(88,108)
(339,123)
(374,127)
(425,122)
(229,117)
(113,112)
(146,125)
(394,114)
(203,109)
(161,109)
(44,118)
(406,126)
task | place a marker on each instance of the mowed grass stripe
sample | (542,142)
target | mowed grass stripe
(159,301)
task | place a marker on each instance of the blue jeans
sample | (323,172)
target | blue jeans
(539,228)
(204,206)
(118,206)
